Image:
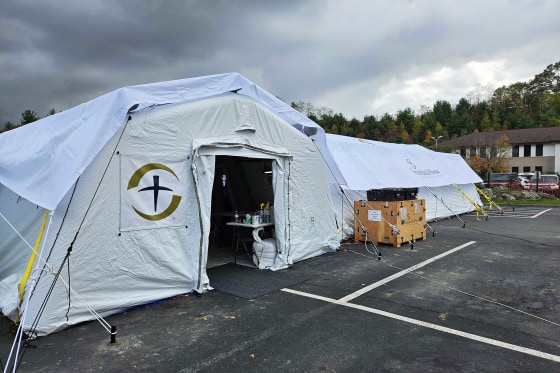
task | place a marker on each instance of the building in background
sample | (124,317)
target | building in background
(532,149)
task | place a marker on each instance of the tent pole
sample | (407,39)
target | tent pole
(196,193)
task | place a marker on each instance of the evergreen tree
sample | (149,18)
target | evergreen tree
(28,116)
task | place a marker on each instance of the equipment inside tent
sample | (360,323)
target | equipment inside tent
(110,204)
(366,164)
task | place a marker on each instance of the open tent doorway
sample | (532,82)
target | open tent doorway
(241,184)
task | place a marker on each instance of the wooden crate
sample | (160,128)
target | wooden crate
(390,222)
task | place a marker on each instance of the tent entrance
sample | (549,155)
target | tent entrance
(240,185)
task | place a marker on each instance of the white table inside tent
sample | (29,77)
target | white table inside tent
(257,229)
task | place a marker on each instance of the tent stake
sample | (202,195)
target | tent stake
(432,229)
(113,334)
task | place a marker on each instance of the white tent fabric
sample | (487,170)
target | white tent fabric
(367,164)
(72,162)
(445,201)
(58,148)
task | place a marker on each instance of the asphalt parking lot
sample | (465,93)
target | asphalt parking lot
(483,298)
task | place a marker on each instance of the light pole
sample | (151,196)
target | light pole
(437,139)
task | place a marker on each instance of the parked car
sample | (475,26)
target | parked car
(548,182)
(524,181)
(508,180)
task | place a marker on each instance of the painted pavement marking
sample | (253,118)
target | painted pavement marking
(364,290)
(540,213)
(444,329)
(518,214)
(344,301)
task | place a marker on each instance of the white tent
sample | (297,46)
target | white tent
(366,164)
(108,205)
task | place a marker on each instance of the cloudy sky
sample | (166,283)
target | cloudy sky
(356,57)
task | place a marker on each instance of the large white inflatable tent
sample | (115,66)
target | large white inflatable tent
(109,205)
(362,165)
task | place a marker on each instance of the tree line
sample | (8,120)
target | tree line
(28,116)
(520,105)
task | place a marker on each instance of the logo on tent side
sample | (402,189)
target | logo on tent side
(156,188)
(412,165)
(426,172)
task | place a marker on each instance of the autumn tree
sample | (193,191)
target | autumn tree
(418,130)
(491,157)
(402,134)
(486,123)
(427,138)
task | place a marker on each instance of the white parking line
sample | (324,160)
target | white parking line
(540,213)
(524,213)
(444,329)
(344,301)
(364,290)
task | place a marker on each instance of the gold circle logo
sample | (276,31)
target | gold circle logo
(156,188)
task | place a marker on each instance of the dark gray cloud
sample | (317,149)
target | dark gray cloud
(356,57)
